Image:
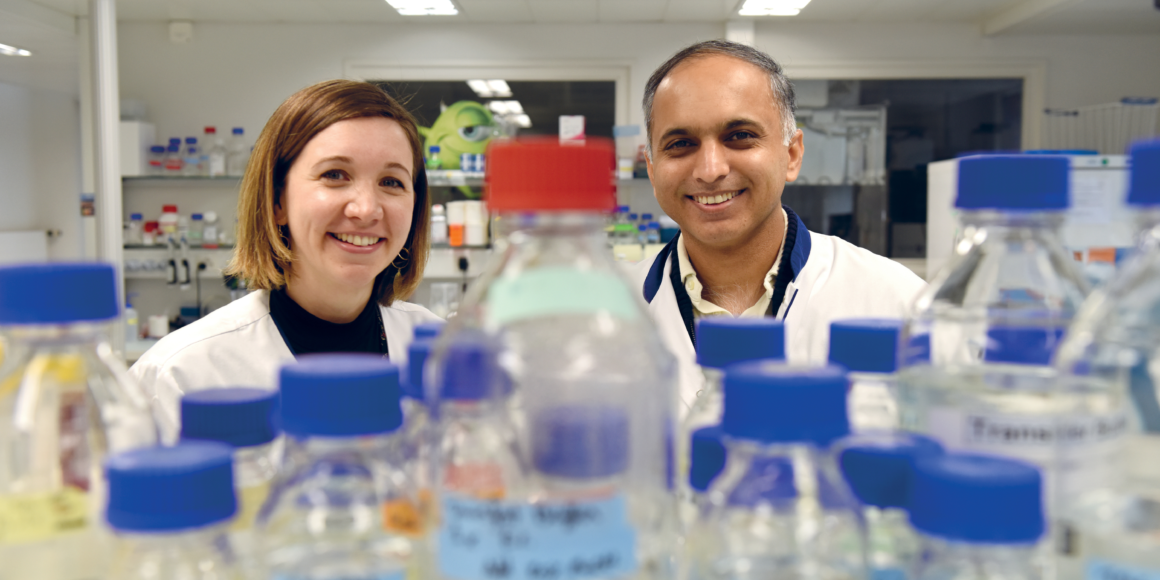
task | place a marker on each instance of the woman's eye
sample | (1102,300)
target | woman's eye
(392,182)
(333,174)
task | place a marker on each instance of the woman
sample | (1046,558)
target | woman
(333,225)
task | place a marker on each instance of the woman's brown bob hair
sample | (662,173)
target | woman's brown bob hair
(263,255)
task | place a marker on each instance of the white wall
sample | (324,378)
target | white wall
(40,165)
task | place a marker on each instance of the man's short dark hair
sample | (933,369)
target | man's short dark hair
(782,89)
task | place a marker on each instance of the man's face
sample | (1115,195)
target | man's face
(719,160)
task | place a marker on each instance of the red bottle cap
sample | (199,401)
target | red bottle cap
(169,209)
(538,173)
(210,130)
(150,226)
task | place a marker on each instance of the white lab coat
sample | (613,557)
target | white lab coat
(239,345)
(835,280)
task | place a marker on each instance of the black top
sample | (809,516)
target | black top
(306,333)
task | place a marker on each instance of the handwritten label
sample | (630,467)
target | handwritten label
(502,540)
(1104,570)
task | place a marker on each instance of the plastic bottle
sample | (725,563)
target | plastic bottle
(878,466)
(1110,526)
(237,154)
(430,329)
(340,481)
(216,153)
(156,159)
(779,509)
(416,430)
(653,235)
(433,159)
(438,224)
(246,419)
(66,401)
(585,384)
(641,234)
(132,322)
(196,236)
(134,233)
(194,165)
(174,160)
(979,518)
(170,508)
(210,235)
(167,222)
(991,320)
(869,349)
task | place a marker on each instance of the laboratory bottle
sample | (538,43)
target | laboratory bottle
(434,161)
(135,232)
(132,322)
(216,153)
(992,320)
(416,418)
(209,235)
(723,341)
(979,517)
(196,236)
(869,349)
(654,233)
(1112,528)
(641,234)
(878,466)
(237,154)
(193,165)
(633,220)
(170,509)
(779,508)
(246,419)
(429,329)
(67,402)
(706,460)
(167,222)
(174,160)
(438,224)
(341,479)
(156,159)
(579,354)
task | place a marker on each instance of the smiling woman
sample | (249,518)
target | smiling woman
(333,215)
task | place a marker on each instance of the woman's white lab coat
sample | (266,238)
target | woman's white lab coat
(833,280)
(239,345)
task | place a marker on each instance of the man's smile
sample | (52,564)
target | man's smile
(715,198)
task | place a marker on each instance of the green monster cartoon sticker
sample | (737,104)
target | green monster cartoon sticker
(464,127)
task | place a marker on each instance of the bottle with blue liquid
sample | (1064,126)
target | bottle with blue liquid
(991,321)
(779,508)
(556,397)
(341,476)
(170,509)
(1112,530)
(879,467)
(869,349)
(979,517)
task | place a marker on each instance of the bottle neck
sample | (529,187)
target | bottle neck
(95,333)
(566,224)
(992,219)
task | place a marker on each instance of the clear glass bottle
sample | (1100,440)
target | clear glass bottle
(979,518)
(341,475)
(237,153)
(216,153)
(245,418)
(170,508)
(434,160)
(1112,529)
(193,165)
(779,508)
(878,466)
(135,232)
(66,401)
(429,329)
(156,159)
(416,430)
(869,349)
(174,160)
(438,225)
(579,354)
(992,320)
(653,236)
(196,235)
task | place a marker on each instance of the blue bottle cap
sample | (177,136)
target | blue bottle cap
(724,340)
(174,147)
(57,293)
(239,416)
(1144,177)
(1022,344)
(879,465)
(632,216)
(622,209)
(238,131)
(641,228)
(654,226)
(157,149)
(646,217)
(429,329)
(435,149)
(977,498)
(195,217)
(190,140)
(706,457)
(580,441)
(417,353)
(192,149)
(340,395)
(917,350)
(1014,182)
(175,140)
(772,402)
(470,370)
(866,345)
(136,216)
(162,489)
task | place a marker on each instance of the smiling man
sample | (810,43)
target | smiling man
(723,142)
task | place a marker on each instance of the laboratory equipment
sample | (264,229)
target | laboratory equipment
(215,153)
(237,154)
(869,349)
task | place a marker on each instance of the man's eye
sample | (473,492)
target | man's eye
(679,143)
(740,135)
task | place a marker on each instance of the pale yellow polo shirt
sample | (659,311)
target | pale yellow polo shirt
(702,307)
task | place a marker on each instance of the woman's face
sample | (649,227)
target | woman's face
(348,203)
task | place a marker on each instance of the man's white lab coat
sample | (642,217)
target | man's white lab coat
(239,345)
(833,280)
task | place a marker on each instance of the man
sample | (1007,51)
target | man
(722,144)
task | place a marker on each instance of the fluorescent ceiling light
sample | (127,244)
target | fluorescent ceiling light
(523,121)
(480,87)
(506,107)
(13,51)
(424,7)
(499,88)
(772,7)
